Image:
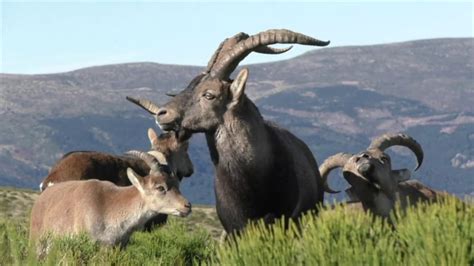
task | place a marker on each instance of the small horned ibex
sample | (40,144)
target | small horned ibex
(372,179)
(105,211)
(166,148)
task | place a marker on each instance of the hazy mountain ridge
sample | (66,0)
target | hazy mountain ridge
(411,70)
(335,99)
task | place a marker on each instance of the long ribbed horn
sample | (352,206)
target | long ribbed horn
(150,160)
(272,50)
(331,163)
(145,104)
(235,49)
(229,43)
(388,140)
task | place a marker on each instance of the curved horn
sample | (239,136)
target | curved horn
(228,43)
(216,54)
(388,140)
(331,163)
(272,50)
(235,49)
(150,160)
(145,104)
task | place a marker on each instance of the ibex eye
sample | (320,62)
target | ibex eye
(209,96)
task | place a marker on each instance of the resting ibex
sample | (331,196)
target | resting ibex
(262,170)
(108,213)
(372,179)
(83,165)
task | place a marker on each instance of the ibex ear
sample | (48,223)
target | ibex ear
(135,179)
(152,137)
(237,87)
(401,175)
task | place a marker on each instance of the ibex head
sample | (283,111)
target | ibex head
(159,189)
(201,106)
(174,151)
(372,169)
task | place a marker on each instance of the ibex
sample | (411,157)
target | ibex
(105,211)
(372,179)
(171,153)
(83,165)
(262,170)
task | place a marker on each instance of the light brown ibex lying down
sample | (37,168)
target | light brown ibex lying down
(108,213)
(372,179)
(83,165)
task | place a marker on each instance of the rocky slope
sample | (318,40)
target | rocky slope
(336,99)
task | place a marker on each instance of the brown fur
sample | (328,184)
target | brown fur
(84,165)
(108,213)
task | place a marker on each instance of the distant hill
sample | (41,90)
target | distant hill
(336,99)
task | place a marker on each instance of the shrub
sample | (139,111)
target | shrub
(436,234)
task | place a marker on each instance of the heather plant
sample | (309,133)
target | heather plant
(428,234)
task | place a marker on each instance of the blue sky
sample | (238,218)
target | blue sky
(59,36)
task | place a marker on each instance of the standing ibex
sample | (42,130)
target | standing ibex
(372,179)
(262,170)
(105,211)
(83,165)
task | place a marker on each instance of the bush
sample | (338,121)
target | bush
(437,234)
(171,245)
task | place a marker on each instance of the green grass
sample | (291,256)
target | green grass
(170,245)
(436,234)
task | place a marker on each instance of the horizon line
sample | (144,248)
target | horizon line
(105,64)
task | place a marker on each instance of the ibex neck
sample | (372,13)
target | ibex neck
(128,207)
(242,139)
(374,200)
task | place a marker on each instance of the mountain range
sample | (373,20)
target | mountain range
(335,99)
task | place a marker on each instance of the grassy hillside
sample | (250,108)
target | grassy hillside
(438,234)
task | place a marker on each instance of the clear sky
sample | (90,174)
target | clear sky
(62,36)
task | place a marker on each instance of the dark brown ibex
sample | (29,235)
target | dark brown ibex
(372,179)
(262,170)
(105,211)
(83,165)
